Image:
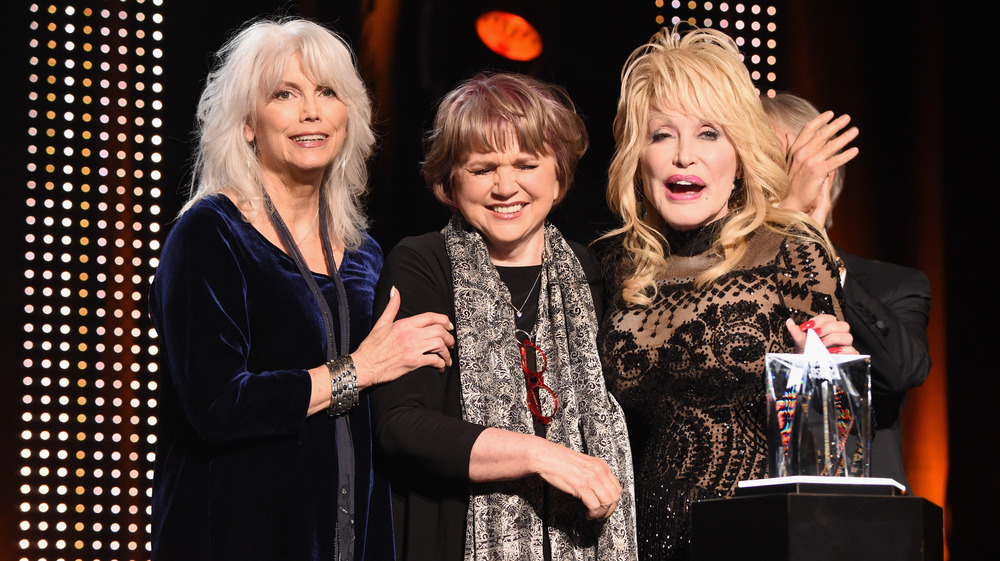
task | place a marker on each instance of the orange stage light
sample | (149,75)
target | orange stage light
(509,35)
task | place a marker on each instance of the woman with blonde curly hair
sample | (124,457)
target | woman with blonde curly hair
(711,275)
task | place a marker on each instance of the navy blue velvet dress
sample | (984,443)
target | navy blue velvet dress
(241,472)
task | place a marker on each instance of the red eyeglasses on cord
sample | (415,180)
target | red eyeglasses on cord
(536,381)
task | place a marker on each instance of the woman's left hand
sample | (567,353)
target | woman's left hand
(395,347)
(835,334)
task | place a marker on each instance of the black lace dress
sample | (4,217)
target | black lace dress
(689,372)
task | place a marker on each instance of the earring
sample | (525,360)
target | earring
(641,199)
(737,195)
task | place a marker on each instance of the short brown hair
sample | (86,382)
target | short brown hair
(486,111)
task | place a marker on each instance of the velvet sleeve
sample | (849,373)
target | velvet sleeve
(199,304)
(808,281)
(417,420)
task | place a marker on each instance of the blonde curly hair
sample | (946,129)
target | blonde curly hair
(701,74)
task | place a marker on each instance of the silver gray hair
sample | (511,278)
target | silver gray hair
(248,69)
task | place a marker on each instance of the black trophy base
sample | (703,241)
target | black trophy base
(817,527)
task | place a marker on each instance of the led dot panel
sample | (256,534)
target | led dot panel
(93,233)
(752,26)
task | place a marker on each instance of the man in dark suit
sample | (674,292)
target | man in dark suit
(886,305)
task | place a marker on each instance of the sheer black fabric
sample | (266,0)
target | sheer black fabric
(689,372)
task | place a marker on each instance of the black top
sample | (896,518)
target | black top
(422,443)
(689,372)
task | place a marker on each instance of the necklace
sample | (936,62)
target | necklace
(526,298)
(309,231)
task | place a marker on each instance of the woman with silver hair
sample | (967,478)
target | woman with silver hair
(711,275)
(263,303)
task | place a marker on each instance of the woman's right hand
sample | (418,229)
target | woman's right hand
(394,348)
(499,455)
(585,477)
(835,334)
(814,155)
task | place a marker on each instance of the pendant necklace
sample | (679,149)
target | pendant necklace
(528,297)
(309,231)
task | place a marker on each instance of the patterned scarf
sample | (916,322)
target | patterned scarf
(503,520)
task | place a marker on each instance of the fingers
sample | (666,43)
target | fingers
(823,203)
(816,152)
(837,143)
(430,318)
(423,346)
(834,334)
(808,134)
(841,158)
(584,477)
(798,334)
(607,500)
(848,350)
(431,337)
(395,347)
(824,324)
(389,313)
(824,140)
(823,128)
(602,511)
(604,492)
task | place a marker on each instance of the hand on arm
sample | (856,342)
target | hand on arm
(393,348)
(502,455)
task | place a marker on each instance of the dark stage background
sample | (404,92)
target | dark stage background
(920,193)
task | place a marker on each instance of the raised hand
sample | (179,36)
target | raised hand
(812,158)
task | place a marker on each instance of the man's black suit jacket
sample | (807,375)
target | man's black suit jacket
(887,307)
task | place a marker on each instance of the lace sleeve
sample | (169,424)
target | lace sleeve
(808,281)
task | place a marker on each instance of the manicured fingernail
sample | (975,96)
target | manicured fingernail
(807,325)
(451,326)
(392,292)
(818,331)
(836,350)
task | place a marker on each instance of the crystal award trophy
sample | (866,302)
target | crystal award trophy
(819,415)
